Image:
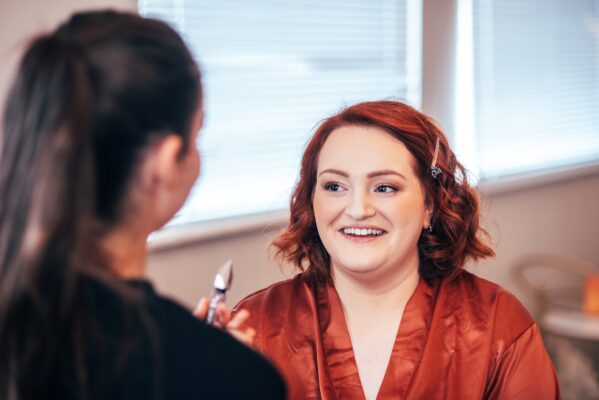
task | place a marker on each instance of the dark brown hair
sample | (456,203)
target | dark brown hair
(455,235)
(86,101)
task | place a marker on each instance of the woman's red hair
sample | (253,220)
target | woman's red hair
(455,236)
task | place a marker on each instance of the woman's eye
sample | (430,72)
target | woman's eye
(385,189)
(332,187)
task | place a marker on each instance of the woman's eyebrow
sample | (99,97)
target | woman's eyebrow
(334,171)
(374,174)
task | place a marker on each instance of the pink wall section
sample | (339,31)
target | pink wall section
(21,20)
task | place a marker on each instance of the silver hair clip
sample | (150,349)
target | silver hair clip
(436,171)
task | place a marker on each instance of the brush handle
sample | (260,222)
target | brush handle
(217,297)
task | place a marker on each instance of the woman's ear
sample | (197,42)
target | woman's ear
(427,222)
(161,164)
(428,213)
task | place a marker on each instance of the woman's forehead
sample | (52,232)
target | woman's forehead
(363,149)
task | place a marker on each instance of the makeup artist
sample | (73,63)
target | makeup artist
(99,150)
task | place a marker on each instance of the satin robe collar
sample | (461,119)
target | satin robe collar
(338,356)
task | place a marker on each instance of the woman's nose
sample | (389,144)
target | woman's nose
(360,206)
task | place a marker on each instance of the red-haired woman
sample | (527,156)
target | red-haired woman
(382,221)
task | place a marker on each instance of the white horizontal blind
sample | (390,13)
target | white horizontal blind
(272,70)
(536,65)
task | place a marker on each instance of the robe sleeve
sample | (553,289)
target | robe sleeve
(523,370)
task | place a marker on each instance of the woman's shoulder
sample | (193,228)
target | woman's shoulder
(489,303)
(195,359)
(199,350)
(472,287)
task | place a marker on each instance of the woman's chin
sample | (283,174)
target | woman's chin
(363,268)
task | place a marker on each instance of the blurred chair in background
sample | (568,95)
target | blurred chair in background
(565,294)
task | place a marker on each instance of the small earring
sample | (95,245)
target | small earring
(430,226)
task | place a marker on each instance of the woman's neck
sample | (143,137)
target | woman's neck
(390,293)
(126,250)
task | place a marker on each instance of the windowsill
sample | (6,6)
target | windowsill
(204,231)
(534,179)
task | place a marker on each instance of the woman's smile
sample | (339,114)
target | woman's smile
(362,233)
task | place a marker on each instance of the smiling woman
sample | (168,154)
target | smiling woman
(382,222)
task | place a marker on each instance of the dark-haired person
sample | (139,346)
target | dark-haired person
(98,150)
(382,221)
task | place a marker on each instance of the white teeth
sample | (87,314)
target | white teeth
(362,232)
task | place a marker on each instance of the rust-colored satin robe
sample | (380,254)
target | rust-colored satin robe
(468,339)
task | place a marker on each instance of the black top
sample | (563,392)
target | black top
(159,350)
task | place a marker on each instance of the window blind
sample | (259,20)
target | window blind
(536,80)
(271,71)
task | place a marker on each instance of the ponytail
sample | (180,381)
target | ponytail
(86,102)
(46,189)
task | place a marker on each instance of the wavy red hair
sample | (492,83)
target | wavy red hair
(456,234)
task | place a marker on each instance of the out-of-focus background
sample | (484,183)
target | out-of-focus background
(515,85)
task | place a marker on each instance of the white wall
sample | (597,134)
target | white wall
(559,218)
(438,61)
(187,272)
